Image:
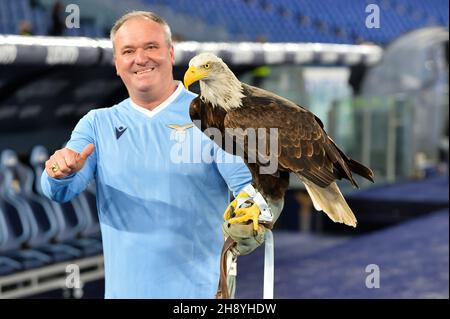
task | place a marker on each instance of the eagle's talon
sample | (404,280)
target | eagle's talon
(227,213)
(232,213)
(245,214)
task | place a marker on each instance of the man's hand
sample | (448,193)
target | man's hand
(65,162)
(246,207)
(230,212)
(244,214)
(246,238)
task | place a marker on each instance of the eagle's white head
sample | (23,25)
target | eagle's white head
(218,85)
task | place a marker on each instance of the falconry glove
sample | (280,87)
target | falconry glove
(241,236)
(248,205)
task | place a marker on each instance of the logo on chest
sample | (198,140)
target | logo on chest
(180,131)
(119,131)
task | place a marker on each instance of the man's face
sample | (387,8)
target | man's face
(143,58)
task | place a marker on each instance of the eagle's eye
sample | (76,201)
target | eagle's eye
(206,66)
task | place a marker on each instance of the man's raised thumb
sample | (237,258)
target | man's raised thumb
(86,152)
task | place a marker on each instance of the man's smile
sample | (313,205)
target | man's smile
(147,70)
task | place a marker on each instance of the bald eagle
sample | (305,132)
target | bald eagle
(303,148)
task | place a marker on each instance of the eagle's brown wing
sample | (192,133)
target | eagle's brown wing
(303,146)
(205,116)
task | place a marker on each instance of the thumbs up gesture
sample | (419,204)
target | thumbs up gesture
(66,162)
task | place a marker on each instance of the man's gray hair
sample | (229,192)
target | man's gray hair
(141,14)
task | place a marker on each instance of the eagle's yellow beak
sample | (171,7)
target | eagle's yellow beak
(194,74)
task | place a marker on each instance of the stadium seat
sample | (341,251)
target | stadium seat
(39,217)
(15,225)
(8,266)
(277,20)
(77,218)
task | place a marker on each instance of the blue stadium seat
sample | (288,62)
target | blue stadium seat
(40,220)
(77,218)
(9,266)
(14,221)
(348,15)
(277,20)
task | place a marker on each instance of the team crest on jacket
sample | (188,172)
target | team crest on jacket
(180,131)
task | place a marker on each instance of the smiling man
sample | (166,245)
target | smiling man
(144,57)
(160,219)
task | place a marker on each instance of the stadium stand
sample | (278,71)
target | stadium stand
(13,12)
(38,232)
(278,21)
(314,21)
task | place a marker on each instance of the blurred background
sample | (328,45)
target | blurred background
(375,72)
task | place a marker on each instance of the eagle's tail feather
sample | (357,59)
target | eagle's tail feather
(354,166)
(360,169)
(331,201)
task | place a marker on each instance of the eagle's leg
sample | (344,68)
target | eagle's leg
(249,205)
(236,203)
(244,214)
